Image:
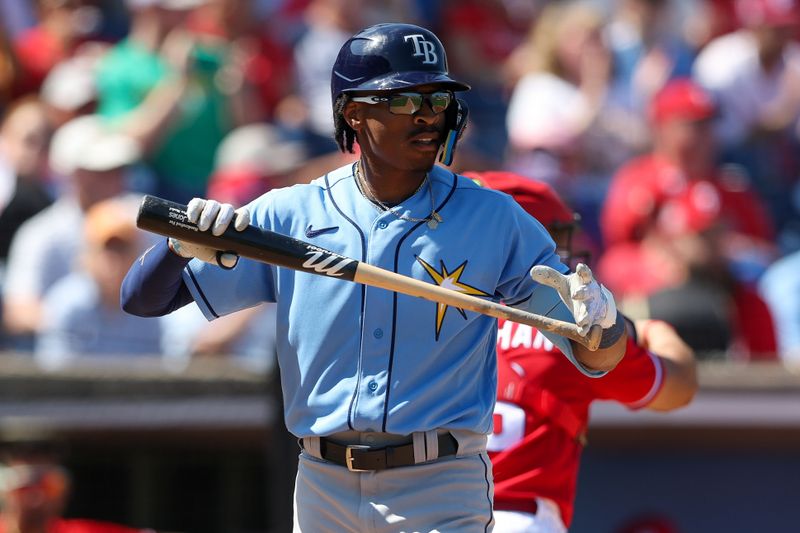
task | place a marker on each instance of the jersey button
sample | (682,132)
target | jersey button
(378,333)
(383,224)
(373,386)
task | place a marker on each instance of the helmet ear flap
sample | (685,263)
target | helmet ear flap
(456,116)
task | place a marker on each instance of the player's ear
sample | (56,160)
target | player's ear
(353,115)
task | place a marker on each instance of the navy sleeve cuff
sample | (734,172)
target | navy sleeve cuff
(154,285)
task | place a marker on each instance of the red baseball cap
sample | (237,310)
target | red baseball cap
(682,98)
(535,197)
(768,12)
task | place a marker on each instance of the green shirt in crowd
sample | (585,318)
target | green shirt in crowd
(185,155)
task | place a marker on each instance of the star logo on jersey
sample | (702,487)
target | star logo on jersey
(449,280)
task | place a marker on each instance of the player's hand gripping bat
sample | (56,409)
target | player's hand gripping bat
(169,219)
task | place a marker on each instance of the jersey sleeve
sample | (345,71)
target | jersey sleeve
(531,245)
(528,244)
(635,381)
(218,291)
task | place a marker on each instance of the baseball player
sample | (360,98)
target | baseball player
(543,403)
(390,396)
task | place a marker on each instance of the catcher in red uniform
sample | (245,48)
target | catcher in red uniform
(543,402)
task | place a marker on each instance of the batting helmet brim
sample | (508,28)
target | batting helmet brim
(406,80)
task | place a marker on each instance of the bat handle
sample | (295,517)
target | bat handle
(592,339)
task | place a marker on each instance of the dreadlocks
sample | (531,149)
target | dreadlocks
(343,134)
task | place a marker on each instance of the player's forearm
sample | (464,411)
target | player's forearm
(154,284)
(680,367)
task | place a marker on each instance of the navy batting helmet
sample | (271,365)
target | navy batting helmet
(391,56)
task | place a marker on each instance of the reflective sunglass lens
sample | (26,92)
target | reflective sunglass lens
(405,104)
(439,101)
(410,103)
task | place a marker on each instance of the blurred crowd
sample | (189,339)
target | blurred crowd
(671,126)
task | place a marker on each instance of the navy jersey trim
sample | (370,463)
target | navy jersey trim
(518,302)
(363,301)
(488,492)
(201,293)
(394,305)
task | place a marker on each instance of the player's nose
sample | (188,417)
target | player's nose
(425,115)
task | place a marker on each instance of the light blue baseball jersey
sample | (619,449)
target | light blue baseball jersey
(354,357)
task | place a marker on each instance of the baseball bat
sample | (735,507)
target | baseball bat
(169,218)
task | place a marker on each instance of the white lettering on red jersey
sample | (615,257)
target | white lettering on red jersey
(542,412)
(510,337)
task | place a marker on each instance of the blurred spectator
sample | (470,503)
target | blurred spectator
(63,26)
(755,74)
(81,314)
(253,159)
(35,489)
(69,90)
(780,288)
(329,23)
(480,36)
(752,70)
(247,337)
(92,159)
(10,74)
(648,47)
(159,85)
(712,309)
(678,225)
(553,104)
(564,117)
(258,66)
(24,134)
(683,156)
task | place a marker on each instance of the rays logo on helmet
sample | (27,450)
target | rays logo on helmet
(423,47)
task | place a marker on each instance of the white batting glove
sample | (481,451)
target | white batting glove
(216,216)
(589,302)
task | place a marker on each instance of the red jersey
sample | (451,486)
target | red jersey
(542,412)
(642,187)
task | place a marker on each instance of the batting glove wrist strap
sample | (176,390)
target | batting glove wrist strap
(613,334)
(188,250)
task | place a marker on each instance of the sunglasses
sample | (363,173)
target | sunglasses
(409,103)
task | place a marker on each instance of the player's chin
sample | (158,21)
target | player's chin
(423,155)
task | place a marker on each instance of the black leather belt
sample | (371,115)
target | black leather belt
(365,458)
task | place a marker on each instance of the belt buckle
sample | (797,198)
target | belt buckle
(348,456)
